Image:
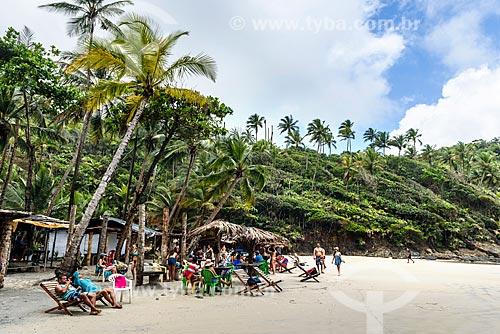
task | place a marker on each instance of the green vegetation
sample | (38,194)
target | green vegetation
(150,142)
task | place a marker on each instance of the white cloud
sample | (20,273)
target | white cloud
(468,110)
(460,42)
(331,74)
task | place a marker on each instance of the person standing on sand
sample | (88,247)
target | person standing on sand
(319,255)
(135,256)
(409,256)
(337,259)
(274,256)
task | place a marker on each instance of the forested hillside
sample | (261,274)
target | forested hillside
(112,143)
(381,204)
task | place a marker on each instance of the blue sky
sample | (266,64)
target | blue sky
(320,59)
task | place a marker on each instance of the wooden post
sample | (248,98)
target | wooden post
(53,248)
(46,249)
(103,236)
(140,245)
(89,249)
(184,236)
(164,236)
(72,215)
(5,244)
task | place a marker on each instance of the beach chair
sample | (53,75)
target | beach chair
(49,288)
(228,275)
(308,274)
(243,278)
(264,266)
(269,281)
(282,265)
(121,283)
(210,282)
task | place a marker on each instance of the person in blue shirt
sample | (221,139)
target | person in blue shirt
(237,261)
(258,257)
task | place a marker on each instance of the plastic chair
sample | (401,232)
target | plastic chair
(210,282)
(157,266)
(117,280)
(264,266)
(229,276)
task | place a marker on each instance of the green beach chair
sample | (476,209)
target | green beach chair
(210,282)
(264,266)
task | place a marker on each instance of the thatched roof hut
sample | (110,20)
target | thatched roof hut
(251,237)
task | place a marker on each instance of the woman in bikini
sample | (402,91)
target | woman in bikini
(135,255)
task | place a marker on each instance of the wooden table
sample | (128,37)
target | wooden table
(249,267)
(220,269)
(154,275)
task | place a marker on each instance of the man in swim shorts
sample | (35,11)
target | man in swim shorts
(319,255)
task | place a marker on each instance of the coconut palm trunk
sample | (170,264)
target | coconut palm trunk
(130,174)
(5,244)
(73,162)
(11,165)
(70,257)
(141,188)
(193,152)
(214,213)
(31,155)
(5,151)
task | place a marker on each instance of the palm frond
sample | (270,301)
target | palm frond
(200,64)
(105,91)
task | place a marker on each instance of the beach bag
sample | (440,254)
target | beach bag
(120,282)
(253,281)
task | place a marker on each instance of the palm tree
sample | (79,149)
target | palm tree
(399,142)
(329,140)
(10,115)
(463,154)
(428,153)
(485,162)
(139,56)
(370,160)
(294,138)
(347,133)
(370,135)
(319,132)
(413,136)
(86,16)
(255,122)
(382,141)
(288,124)
(448,157)
(235,163)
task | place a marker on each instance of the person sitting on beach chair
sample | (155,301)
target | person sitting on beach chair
(87,285)
(282,262)
(102,267)
(67,292)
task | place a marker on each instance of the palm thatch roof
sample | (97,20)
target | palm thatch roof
(238,233)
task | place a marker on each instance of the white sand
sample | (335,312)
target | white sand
(443,297)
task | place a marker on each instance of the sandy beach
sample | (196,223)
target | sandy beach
(373,295)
